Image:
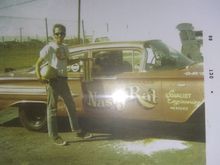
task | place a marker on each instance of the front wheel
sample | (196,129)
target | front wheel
(33,117)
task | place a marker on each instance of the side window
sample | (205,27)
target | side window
(111,62)
(78,66)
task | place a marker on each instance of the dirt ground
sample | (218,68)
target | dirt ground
(114,142)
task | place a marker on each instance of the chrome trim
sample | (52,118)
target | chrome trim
(17,78)
(27,78)
(105,78)
(22,90)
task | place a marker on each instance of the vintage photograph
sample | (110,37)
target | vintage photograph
(95,82)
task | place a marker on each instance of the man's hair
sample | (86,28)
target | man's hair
(59,26)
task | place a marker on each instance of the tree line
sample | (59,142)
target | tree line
(34,43)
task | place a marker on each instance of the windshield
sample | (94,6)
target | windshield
(160,56)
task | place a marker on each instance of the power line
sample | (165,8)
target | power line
(13,17)
(33,18)
(17,4)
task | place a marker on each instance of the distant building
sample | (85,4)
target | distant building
(191,41)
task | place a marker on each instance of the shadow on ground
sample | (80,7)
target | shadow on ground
(135,130)
(130,130)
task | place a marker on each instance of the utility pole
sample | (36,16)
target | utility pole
(79,19)
(20,31)
(46,30)
(84,35)
(107,27)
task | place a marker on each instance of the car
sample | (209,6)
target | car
(140,80)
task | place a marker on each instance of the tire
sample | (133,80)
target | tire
(33,117)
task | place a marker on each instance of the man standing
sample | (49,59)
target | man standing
(57,56)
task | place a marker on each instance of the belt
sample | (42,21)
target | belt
(58,78)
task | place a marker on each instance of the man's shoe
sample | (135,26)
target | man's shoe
(59,141)
(83,134)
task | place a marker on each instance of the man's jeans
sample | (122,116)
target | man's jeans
(59,87)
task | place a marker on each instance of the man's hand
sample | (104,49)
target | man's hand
(37,70)
(43,80)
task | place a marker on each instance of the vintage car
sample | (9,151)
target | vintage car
(140,80)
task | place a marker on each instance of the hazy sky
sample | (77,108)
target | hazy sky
(126,19)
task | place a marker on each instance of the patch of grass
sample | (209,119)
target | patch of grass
(18,58)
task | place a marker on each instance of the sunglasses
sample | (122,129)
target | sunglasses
(62,34)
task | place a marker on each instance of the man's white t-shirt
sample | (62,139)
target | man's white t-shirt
(56,56)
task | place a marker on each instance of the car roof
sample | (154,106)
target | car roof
(121,44)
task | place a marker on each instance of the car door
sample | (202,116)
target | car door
(119,88)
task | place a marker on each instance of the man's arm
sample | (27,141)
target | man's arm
(37,68)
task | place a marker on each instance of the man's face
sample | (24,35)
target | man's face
(59,35)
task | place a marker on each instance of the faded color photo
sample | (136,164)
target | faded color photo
(139,79)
